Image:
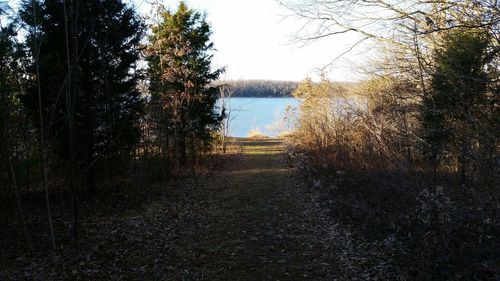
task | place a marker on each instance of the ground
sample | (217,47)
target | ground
(248,221)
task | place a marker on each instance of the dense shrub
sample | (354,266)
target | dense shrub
(362,149)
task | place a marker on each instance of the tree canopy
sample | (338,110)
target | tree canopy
(179,55)
(83,60)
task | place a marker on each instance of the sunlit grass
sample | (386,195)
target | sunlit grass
(253,150)
(260,171)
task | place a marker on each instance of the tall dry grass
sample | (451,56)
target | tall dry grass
(362,148)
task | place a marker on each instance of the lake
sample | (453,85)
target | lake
(264,116)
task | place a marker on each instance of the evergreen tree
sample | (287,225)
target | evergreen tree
(10,73)
(83,59)
(459,94)
(179,56)
(14,147)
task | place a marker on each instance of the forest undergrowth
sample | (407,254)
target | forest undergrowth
(248,218)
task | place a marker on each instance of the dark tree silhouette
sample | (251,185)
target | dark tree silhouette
(86,52)
(452,110)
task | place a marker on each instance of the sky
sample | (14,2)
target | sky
(254,40)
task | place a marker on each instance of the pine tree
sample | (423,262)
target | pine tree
(86,52)
(179,56)
(458,95)
(11,111)
(9,92)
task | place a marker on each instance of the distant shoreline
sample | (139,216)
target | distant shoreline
(261,97)
(263,88)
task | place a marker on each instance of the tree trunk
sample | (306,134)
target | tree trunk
(19,205)
(181,148)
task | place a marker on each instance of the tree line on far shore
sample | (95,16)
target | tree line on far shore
(261,88)
(267,88)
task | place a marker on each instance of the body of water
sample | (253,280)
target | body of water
(265,116)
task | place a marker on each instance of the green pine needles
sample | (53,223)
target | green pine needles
(179,56)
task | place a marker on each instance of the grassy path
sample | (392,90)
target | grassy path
(252,227)
(246,222)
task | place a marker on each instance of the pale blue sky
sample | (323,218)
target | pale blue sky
(253,41)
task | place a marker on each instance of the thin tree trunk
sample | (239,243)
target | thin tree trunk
(70,114)
(42,135)
(181,146)
(19,206)
(193,161)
